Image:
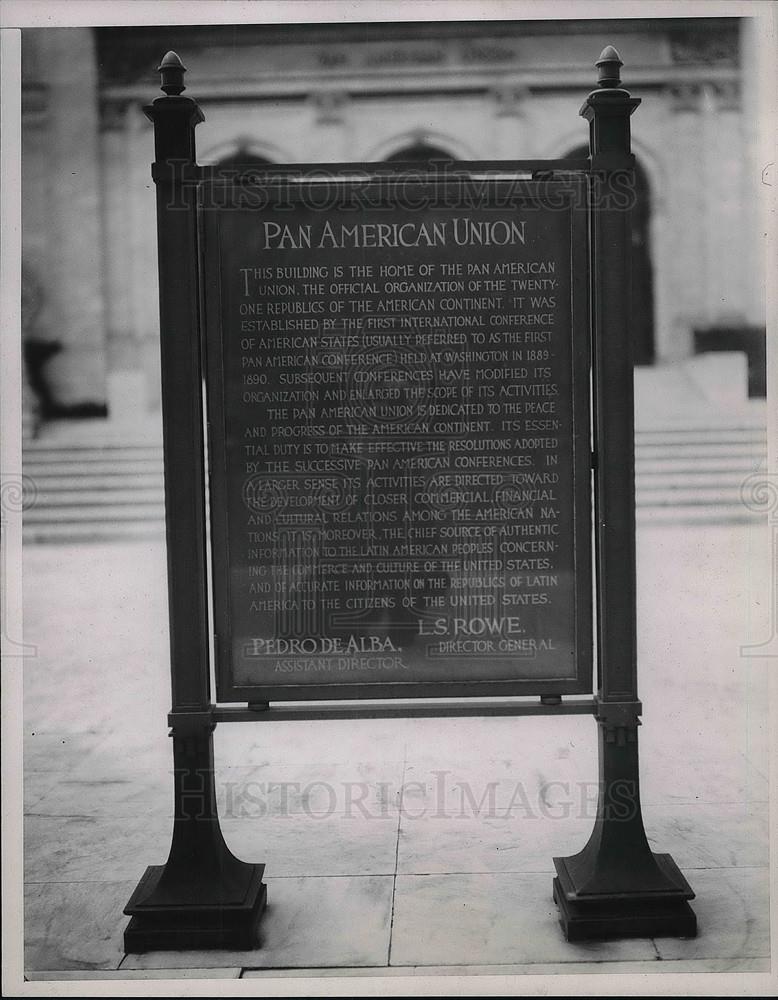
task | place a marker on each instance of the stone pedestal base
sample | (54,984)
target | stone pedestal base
(636,918)
(179,926)
(618,915)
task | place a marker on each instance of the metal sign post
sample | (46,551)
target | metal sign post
(203,896)
(616,885)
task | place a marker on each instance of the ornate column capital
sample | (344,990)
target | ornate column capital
(329,107)
(685,97)
(509,100)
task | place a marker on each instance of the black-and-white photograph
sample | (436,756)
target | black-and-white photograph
(389,497)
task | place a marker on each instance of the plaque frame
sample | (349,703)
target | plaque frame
(378,185)
(204,896)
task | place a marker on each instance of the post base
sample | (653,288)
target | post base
(666,913)
(182,926)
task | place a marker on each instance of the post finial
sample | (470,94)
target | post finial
(608,66)
(172,70)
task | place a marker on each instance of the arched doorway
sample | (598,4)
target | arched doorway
(642,268)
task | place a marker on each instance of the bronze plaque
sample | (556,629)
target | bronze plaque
(399,437)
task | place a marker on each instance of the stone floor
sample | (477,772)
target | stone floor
(397,847)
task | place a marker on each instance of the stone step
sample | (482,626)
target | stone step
(663,496)
(122,464)
(74,512)
(96,530)
(70,531)
(103,498)
(700,473)
(117,459)
(52,483)
(112,490)
(702,434)
(62,447)
(698,463)
(693,453)
(679,514)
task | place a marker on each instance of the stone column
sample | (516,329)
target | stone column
(141,236)
(730,238)
(71,258)
(759,81)
(125,380)
(686,285)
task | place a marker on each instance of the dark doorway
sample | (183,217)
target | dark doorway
(418,151)
(243,162)
(642,269)
(243,157)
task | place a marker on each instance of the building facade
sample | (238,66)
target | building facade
(365,93)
